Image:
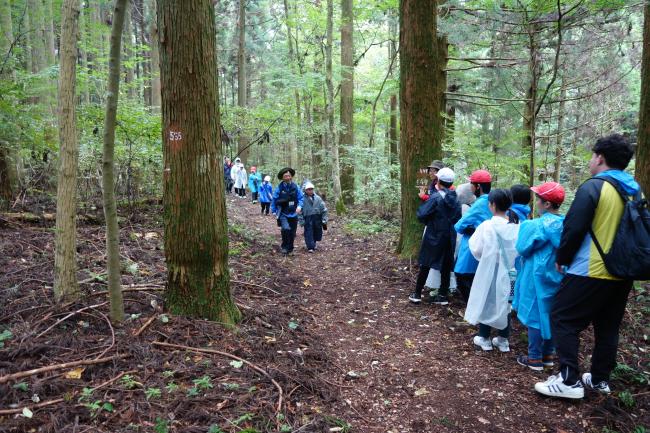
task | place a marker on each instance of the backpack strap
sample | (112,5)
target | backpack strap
(623,196)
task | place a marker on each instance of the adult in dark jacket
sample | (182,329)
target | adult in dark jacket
(439,213)
(227,168)
(589,294)
(286,205)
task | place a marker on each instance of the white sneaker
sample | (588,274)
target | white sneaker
(602,387)
(483,343)
(501,343)
(555,387)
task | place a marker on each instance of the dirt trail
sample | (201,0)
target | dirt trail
(404,368)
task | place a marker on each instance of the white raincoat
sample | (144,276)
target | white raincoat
(488,299)
(238,176)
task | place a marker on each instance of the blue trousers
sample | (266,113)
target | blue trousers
(313,231)
(537,346)
(288,231)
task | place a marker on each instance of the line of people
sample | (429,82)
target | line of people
(291,205)
(548,269)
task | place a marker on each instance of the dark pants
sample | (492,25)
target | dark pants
(228,185)
(582,301)
(313,231)
(265,207)
(288,231)
(445,275)
(464,285)
(241,192)
(485,330)
(254,194)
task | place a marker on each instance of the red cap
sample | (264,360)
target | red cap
(253,168)
(550,191)
(480,176)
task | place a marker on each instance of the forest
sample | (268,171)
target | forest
(138,293)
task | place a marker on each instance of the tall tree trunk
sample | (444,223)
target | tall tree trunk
(530,120)
(83,54)
(7,165)
(155,62)
(346,135)
(196,233)
(65,235)
(293,144)
(331,133)
(392,130)
(421,122)
(241,81)
(127,37)
(50,50)
(108,167)
(36,35)
(558,139)
(642,168)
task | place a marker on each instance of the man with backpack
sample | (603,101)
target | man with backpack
(589,292)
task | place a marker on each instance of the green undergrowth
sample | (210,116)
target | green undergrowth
(367,225)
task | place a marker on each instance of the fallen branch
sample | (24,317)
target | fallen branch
(35,406)
(21,374)
(60,400)
(145,326)
(70,315)
(231,356)
(151,288)
(245,283)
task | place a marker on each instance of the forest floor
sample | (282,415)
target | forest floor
(328,343)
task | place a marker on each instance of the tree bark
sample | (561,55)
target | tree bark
(331,133)
(530,114)
(127,37)
(155,62)
(242,149)
(36,35)
(293,144)
(421,122)
(83,54)
(108,176)
(196,233)
(558,141)
(346,136)
(392,130)
(642,167)
(65,235)
(50,50)
(7,165)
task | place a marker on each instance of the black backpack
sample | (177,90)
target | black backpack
(629,256)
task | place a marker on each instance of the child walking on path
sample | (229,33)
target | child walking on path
(313,217)
(266,195)
(493,245)
(254,181)
(440,212)
(538,281)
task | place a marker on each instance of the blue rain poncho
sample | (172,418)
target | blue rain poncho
(538,281)
(479,212)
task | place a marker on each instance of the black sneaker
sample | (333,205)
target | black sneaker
(284,251)
(415,298)
(440,300)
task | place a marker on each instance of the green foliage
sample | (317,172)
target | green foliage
(152,393)
(367,225)
(215,429)
(627,374)
(171,387)
(204,382)
(129,382)
(21,386)
(5,336)
(161,426)
(627,398)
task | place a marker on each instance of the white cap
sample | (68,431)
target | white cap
(446,175)
(309,185)
(237,159)
(267,178)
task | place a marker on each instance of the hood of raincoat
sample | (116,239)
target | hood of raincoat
(625,180)
(522,210)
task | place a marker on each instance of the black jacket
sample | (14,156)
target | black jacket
(439,214)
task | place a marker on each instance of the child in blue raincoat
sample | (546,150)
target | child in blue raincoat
(254,182)
(538,281)
(266,195)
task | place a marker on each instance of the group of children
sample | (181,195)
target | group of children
(504,259)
